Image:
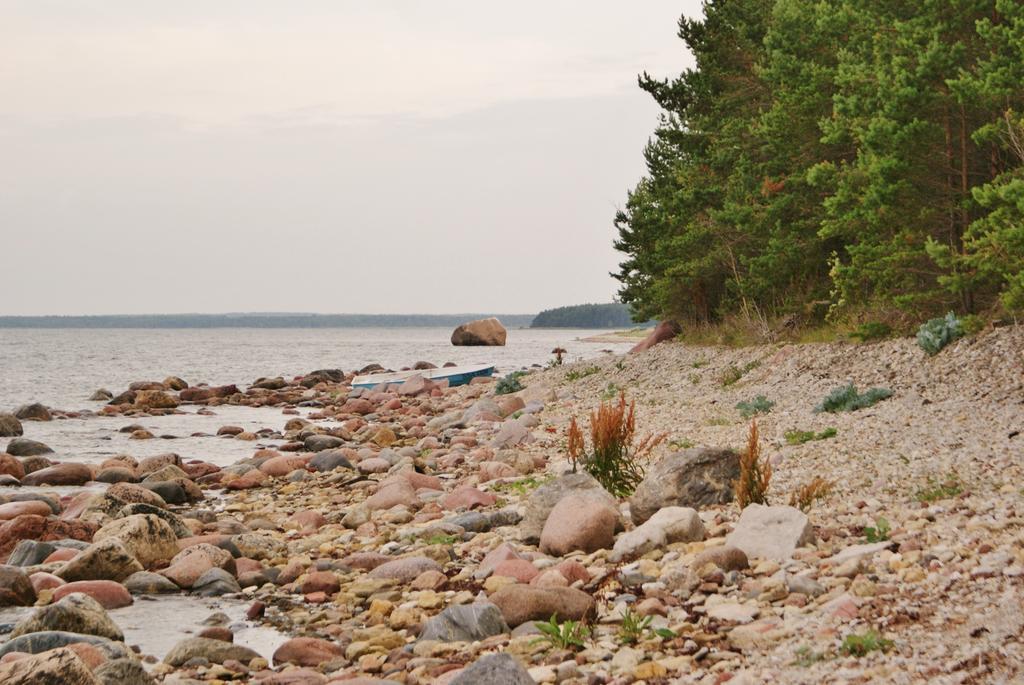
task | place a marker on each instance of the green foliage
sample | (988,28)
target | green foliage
(758,405)
(509,383)
(610,392)
(633,627)
(611,315)
(868,155)
(846,398)
(935,334)
(799,437)
(879,532)
(523,486)
(576,374)
(873,330)
(732,373)
(568,635)
(865,643)
(936,490)
(441,539)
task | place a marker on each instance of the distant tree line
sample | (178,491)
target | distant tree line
(612,315)
(256,320)
(863,155)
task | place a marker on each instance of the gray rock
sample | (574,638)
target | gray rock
(471,521)
(122,671)
(23,447)
(319,443)
(544,499)
(75,613)
(30,553)
(494,669)
(695,478)
(15,587)
(771,532)
(216,582)
(36,643)
(59,667)
(147,583)
(10,426)
(171,492)
(465,623)
(804,585)
(214,651)
(329,460)
(510,434)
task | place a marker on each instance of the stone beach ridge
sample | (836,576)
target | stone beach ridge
(416,533)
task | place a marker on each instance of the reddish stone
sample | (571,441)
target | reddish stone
(520,569)
(320,581)
(250,479)
(11,466)
(44,581)
(109,594)
(278,467)
(307,651)
(217,633)
(468,497)
(573,571)
(32,527)
(501,553)
(365,561)
(308,521)
(66,473)
(666,330)
(15,509)
(61,554)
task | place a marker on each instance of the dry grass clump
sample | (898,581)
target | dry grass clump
(755,473)
(613,459)
(809,493)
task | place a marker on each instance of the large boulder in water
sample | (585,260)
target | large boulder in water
(23,447)
(75,613)
(480,332)
(10,426)
(33,412)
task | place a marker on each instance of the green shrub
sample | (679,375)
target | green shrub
(935,490)
(847,398)
(565,635)
(758,405)
(732,373)
(799,437)
(866,332)
(577,374)
(933,335)
(861,645)
(509,383)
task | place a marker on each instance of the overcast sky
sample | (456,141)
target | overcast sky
(320,155)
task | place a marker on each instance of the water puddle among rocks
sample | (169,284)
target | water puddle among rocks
(156,624)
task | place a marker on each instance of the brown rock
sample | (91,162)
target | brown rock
(579,523)
(66,473)
(307,651)
(522,603)
(480,332)
(664,331)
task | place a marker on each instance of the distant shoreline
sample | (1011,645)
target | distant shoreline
(159,321)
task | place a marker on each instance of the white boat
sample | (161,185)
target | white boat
(455,375)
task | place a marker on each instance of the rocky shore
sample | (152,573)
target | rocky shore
(417,534)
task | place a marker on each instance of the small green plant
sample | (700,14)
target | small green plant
(620,365)
(732,373)
(610,392)
(719,421)
(577,374)
(865,643)
(879,532)
(933,335)
(682,444)
(633,627)
(509,383)
(799,437)
(936,490)
(846,398)
(568,635)
(440,539)
(694,378)
(522,486)
(699,363)
(806,657)
(873,330)
(758,405)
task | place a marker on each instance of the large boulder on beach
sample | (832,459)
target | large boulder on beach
(15,587)
(65,473)
(214,651)
(668,525)
(765,532)
(147,537)
(695,478)
(480,332)
(75,613)
(579,522)
(465,623)
(54,667)
(104,560)
(155,399)
(521,603)
(544,499)
(494,669)
(664,331)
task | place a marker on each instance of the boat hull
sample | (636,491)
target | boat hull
(459,375)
